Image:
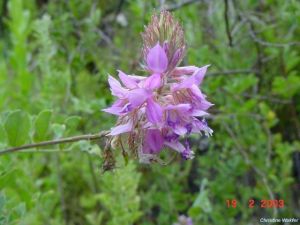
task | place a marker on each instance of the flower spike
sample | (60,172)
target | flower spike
(159,111)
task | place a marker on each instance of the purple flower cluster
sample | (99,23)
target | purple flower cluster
(183,220)
(161,110)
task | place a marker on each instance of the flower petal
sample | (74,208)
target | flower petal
(127,81)
(124,128)
(177,57)
(179,107)
(187,153)
(205,105)
(199,126)
(197,92)
(153,111)
(180,130)
(184,70)
(116,88)
(136,78)
(153,141)
(199,113)
(152,82)
(175,145)
(157,60)
(115,108)
(199,74)
(138,96)
(195,79)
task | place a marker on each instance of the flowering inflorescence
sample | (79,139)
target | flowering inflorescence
(184,220)
(161,110)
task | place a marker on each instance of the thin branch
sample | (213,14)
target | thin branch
(229,72)
(227,24)
(179,5)
(47,151)
(295,118)
(268,98)
(87,137)
(119,8)
(269,44)
(95,186)
(104,36)
(265,43)
(220,115)
(60,189)
(248,161)
(253,35)
(268,144)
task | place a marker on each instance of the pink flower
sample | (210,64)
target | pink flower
(157,60)
(153,142)
(184,220)
(160,111)
(154,111)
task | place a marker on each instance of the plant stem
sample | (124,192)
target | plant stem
(226,8)
(88,137)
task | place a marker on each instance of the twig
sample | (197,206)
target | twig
(263,176)
(269,145)
(104,36)
(227,23)
(265,43)
(229,72)
(47,151)
(296,119)
(221,115)
(55,142)
(268,98)
(119,8)
(260,41)
(179,5)
(95,186)
(61,189)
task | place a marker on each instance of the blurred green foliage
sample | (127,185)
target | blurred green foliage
(54,61)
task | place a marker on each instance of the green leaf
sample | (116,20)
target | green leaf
(86,146)
(58,129)
(202,202)
(2,201)
(17,126)
(241,83)
(286,87)
(3,137)
(72,123)
(42,124)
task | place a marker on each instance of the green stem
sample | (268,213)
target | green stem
(87,137)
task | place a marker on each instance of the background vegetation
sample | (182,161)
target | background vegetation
(54,61)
